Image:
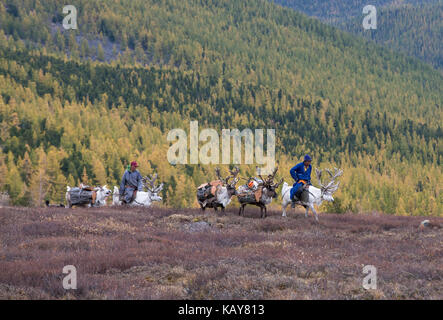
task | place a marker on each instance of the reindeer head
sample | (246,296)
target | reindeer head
(230,186)
(269,184)
(106,191)
(329,188)
(102,194)
(149,184)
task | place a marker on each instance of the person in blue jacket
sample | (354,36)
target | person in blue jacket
(131,183)
(301,173)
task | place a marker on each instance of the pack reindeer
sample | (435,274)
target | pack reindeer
(311,195)
(218,193)
(143,198)
(264,191)
(101,194)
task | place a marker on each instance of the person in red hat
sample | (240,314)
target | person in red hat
(130,184)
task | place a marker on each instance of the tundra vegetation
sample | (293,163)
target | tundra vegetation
(161,253)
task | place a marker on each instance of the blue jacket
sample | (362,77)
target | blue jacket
(300,172)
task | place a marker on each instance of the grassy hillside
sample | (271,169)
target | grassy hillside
(228,64)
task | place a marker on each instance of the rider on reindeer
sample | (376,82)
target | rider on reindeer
(301,173)
(130,184)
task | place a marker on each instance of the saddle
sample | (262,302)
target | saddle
(209,189)
(249,195)
(91,189)
(258,193)
(304,197)
(86,188)
(83,195)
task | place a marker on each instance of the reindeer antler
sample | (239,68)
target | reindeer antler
(151,180)
(234,173)
(335,175)
(319,173)
(270,178)
(272,175)
(278,183)
(159,188)
(263,181)
(234,176)
(217,172)
(330,186)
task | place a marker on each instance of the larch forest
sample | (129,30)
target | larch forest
(78,105)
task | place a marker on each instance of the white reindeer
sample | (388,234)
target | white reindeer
(223,193)
(102,194)
(142,198)
(316,195)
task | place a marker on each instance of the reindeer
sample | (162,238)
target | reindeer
(315,196)
(102,196)
(262,196)
(143,198)
(221,189)
(102,193)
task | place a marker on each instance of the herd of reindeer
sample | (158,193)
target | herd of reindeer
(258,191)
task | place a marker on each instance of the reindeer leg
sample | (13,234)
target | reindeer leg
(284,209)
(223,209)
(315,212)
(266,211)
(307,210)
(262,211)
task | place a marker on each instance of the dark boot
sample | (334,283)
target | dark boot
(298,193)
(297,196)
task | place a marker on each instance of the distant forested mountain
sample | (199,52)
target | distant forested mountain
(410,26)
(77,105)
(340,10)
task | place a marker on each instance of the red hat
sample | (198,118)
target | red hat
(134,164)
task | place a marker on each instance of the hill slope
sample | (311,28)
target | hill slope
(248,64)
(413,27)
(414,30)
(250,41)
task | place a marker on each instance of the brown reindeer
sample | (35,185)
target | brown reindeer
(265,191)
